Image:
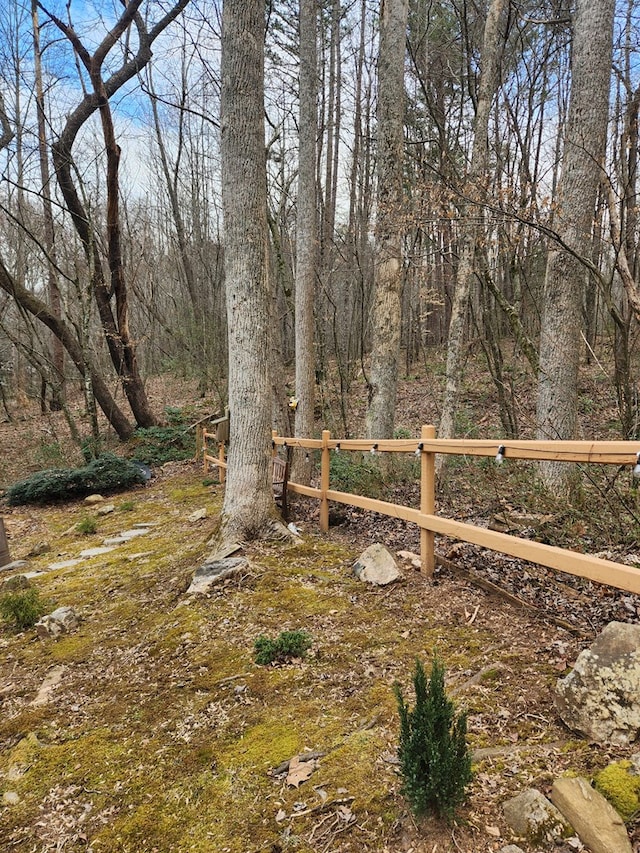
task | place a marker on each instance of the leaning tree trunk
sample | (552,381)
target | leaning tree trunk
(387,308)
(248,510)
(565,279)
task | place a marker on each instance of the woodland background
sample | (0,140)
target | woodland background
(509,205)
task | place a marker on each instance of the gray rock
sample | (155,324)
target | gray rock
(15,583)
(213,572)
(600,697)
(532,816)
(65,564)
(96,552)
(10,798)
(511,848)
(377,566)
(15,564)
(61,621)
(598,824)
(93,499)
(106,509)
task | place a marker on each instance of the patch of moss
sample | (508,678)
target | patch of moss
(621,787)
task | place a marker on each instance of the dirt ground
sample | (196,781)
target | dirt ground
(150,727)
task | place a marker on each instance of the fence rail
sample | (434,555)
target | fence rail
(594,452)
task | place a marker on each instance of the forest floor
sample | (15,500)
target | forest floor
(150,728)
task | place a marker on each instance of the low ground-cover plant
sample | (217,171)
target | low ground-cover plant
(171,443)
(435,760)
(21,609)
(359,475)
(288,644)
(107,473)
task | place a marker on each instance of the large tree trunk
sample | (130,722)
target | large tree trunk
(306,235)
(584,146)
(249,510)
(383,378)
(471,219)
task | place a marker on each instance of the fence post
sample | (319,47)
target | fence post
(325,460)
(204,452)
(427,502)
(221,469)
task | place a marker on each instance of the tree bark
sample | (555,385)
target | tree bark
(249,509)
(383,377)
(563,293)
(471,216)
(306,235)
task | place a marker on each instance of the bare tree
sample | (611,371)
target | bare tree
(306,232)
(584,146)
(248,510)
(387,309)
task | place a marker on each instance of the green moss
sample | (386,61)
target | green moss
(621,787)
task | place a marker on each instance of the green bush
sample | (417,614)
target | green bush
(288,644)
(159,444)
(435,760)
(21,609)
(357,475)
(107,473)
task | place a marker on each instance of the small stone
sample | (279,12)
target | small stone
(511,848)
(532,816)
(93,499)
(40,548)
(376,566)
(198,515)
(61,621)
(10,798)
(15,583)
(106,509)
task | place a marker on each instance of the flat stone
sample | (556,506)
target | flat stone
(51,681)
(106,509)
(145,524)
(96,552)
(198,515)
(597,823)
(15,564)
(376,566)
(64,564)
(511,848)
(532,816)
(212,573)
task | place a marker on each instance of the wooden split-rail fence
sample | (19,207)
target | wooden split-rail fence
(593,568)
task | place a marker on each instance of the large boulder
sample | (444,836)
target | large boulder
(600,698)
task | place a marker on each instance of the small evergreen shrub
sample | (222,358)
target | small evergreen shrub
(21,609)
(87,526)
(288,644)
(435,760)
(107,473)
